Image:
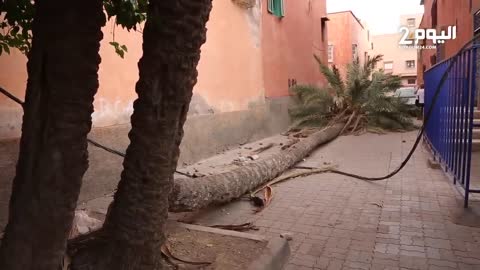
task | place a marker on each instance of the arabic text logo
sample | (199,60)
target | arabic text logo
(410,38)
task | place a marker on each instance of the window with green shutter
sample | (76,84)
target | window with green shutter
(276,8)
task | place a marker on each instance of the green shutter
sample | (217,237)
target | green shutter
(282,10)
(270,6)
(276,8)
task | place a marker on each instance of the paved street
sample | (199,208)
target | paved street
(342,223)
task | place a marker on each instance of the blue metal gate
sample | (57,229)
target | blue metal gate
(450,127)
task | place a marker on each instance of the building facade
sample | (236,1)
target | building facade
(348,39)
(396,59)
(439,15)
(251,58)
(289,44)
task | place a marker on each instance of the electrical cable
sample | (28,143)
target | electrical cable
(92,142)
(391,174)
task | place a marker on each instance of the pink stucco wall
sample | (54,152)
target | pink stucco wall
(345,30)
(230,70)
(289,44)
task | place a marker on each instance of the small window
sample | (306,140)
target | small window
(372,45)
(354,52)
(324,26)
(411,22)
(476,26)
(388,65)
(276,8)
(410,63)
(330,53)
(411,81)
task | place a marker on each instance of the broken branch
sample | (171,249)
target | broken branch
(295,175)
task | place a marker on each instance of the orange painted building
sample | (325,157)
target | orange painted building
(250,59)
(396,59)
(348,39)
(439,14)
(289,44)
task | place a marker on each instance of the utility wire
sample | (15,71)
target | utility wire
(365,178)
(92,142)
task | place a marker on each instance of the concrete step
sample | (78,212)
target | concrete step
(476,123)
(476,114)
(475,145)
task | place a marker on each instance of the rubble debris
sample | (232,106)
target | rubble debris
(433,164)
(290,143)
(380,205)
(264,148)
(83,224)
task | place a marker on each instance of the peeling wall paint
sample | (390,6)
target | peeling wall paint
(108,112)
(254,20)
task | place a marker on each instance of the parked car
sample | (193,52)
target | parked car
(407,94)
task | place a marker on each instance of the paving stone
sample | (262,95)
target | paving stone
(336,225)
(442,263)
(438,243)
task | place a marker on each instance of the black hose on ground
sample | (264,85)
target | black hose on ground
(396,171)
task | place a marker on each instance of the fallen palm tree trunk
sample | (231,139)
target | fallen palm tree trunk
(191,194)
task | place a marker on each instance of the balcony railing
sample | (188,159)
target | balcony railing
(450,127)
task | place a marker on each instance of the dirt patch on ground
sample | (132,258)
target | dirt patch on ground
(225,252)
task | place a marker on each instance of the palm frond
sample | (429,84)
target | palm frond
(332,75)
(371,64)
(360,98)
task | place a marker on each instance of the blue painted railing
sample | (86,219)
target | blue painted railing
(450,127)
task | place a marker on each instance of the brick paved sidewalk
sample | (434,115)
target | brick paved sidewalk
(343,223)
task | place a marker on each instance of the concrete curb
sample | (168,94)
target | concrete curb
(222,232)
(274,257)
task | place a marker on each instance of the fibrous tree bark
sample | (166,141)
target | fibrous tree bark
(133,232)
(62,81)
(194,193)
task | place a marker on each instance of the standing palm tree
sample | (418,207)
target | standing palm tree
(62,81)
(361,100)
(133,232)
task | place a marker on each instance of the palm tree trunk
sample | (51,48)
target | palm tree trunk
(135,223)
(62,82)
(190,194)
